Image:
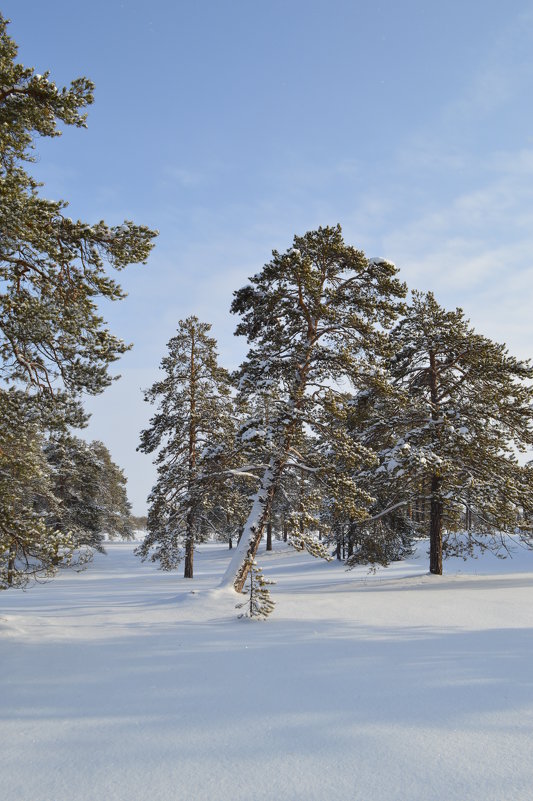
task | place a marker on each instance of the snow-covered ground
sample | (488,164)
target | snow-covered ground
(119,684)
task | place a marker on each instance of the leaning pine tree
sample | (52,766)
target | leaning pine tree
(194,405)
(314,318)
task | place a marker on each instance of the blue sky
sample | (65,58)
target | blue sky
(231,125)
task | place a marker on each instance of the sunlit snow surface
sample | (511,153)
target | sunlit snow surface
(119,684)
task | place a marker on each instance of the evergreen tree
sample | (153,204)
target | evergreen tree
(52,269)
(313,317)
(188,432)
(114,506)
(90,489)
(259,604)
(459,409)
(31,546)
(53,341)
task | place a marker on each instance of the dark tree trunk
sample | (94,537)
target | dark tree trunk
(435,528)
(189,542)
(350,541)
(189,548)
(230,543)
(435,512)
(269,536)
(189,557)
(284,531)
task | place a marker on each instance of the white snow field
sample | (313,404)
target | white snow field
(121,685)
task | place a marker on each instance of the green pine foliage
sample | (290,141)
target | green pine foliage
(54,344)
(188,433)
(315,318)
(31,545)
(90,490)
(457,411)
(52,268)
(259,604)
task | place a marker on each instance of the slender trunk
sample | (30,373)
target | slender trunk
(350,541)
(11,566)
(269,536)
(436,506)
(285,530)
(435,528)
(189,540)
(189,548)
(230,536)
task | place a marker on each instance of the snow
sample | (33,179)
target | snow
(124,683)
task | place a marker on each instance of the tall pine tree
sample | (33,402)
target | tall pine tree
(188,431)
(313,317)
(459,409)
(54,344)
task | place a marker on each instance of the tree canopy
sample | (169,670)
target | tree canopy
(52,268)
(54,343)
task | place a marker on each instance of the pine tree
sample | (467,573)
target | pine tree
(188,432)
(31,546)
(90,489)
(53,272)
(114,506)
(460,408)
(313,317)
(52,269)
(259,604)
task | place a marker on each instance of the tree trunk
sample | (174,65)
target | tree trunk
(435,512)
(435,528)
(189,549)
(338,552)
(11,566)
(269,536)
(246,550)
(189,542)
(350,541)
(261,510)
(189,557)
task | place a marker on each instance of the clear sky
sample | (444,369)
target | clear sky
(231,125)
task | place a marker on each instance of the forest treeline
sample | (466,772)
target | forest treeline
(361,419)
